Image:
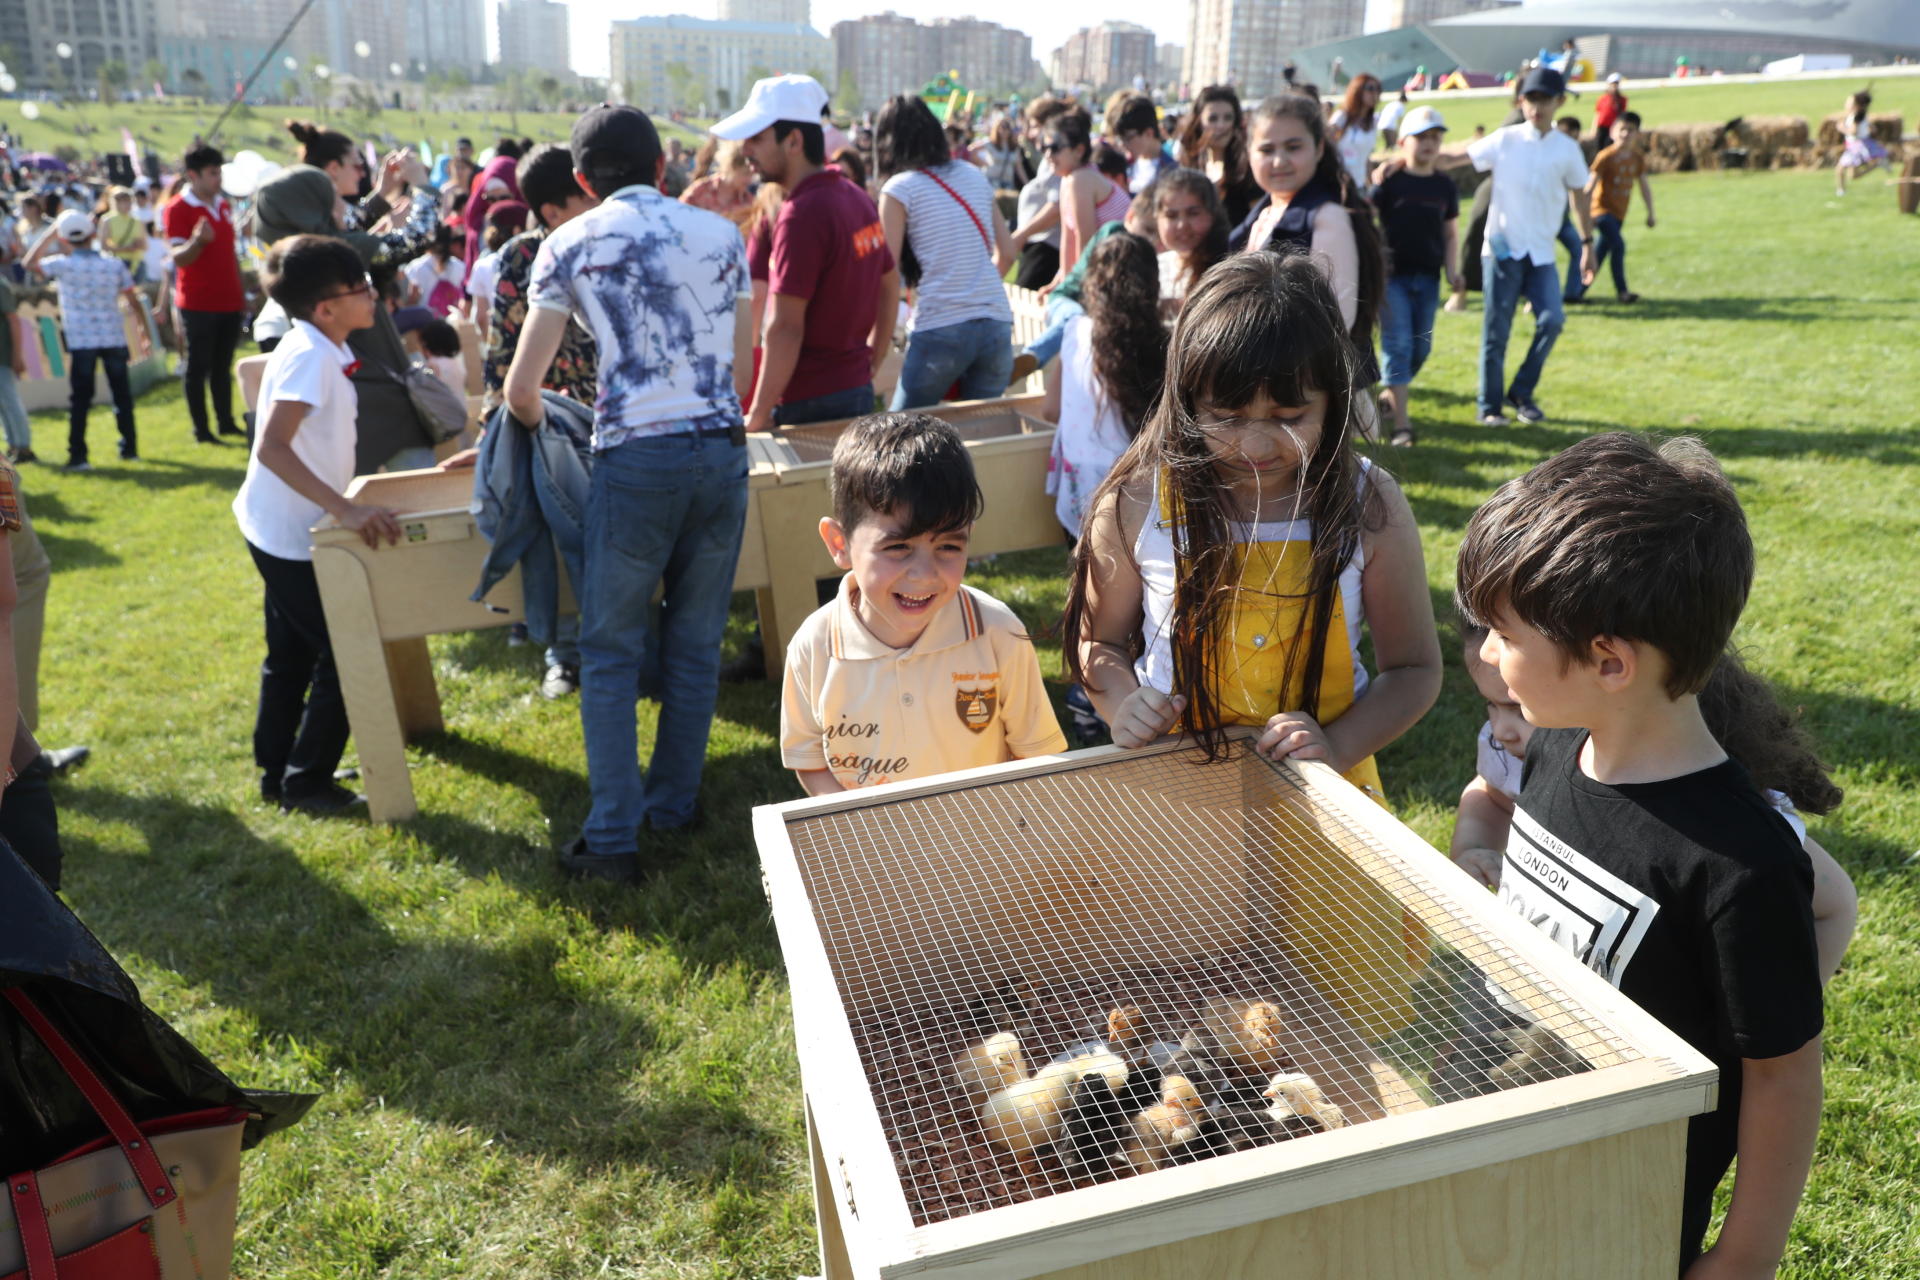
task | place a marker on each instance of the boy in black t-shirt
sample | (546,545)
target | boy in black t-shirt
(1420,213)
(1611,577)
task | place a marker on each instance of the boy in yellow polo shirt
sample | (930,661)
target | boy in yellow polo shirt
(908,672)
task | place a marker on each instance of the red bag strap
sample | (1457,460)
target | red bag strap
(36,1241)
(978,225)
(154,1182)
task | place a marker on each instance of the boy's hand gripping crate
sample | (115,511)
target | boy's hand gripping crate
(1477,1103)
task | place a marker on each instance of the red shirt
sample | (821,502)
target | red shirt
(211,282)
(829,248)
(1608,109)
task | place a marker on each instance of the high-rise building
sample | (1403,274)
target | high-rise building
(445,35)
(798,12)
(220,40)
(1110,55)
(889,54)
(95,31)
(1246,42)
(662,63)
(1169,61)
(533,36)
(334,32)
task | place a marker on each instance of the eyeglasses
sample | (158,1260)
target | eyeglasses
(365,286)
(1053,146)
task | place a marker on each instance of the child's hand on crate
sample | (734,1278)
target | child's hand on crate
(1146,714)
(1296,734)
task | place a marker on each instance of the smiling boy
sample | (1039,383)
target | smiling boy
(907,672)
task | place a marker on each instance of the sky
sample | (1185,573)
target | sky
(1049,25)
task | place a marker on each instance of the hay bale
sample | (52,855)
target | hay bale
(1669,148)
(1705,141)
(1789,157)
(1764,136)
(1830,135)
(1885,126)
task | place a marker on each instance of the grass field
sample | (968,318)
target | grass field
(526,1077)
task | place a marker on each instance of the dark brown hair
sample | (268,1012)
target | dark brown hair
(1350,105)
(301,272)
(1234,172)
(1195,184)
(1258,322)
(885,462)
(1121,294)
(1329,172)
(319,145)
(1615,537)
(1750,724)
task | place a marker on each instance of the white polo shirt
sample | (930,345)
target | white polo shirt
(1532,173)
(308,368)
(966,693)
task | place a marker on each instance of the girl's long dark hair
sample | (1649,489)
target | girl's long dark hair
(907,136)
(1258,322)
(1331,173)
(1122,298)
(1748,721)
(1235,171)
(319,145)
(1195,184)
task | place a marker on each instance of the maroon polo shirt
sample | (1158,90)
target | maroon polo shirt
(829,248)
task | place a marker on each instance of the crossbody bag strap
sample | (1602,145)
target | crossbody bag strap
(30,1214)
(154,1183)
(978,225)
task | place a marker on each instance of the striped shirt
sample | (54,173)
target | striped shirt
(966,693)
(958,281)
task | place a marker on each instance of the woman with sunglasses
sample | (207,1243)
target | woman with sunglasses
(1088,199)
(334,154)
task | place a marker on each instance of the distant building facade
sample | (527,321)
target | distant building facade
(792,12)
(1405,13)
(98,32)
(660,62)
(887,54)
(533,36)
(1109,55)
(445,35)
(1247,42)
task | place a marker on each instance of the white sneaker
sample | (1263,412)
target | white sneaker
(1495,420)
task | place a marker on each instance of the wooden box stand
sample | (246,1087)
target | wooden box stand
(381,604)
(1155,878)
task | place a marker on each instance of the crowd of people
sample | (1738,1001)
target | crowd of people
(1214,288)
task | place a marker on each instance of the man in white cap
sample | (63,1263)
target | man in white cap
(832,284)
(91,284)
(1607,110)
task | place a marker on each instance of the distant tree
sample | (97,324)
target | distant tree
(847,99)
(680,86)
(194,81)
(548,90)
(820,77)
(113,78)
(153,72)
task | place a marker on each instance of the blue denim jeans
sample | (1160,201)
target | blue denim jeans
(977,354)
(13,412)
(1570,239)
(1406,325)
(1504,282)
(664,511)
(854,402)
(1060,314)
(1610,245)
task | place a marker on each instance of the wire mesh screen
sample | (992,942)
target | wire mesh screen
(1100,972)
(990,421)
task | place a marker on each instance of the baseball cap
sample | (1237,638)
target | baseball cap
(796,98)
(1421,120)
(1543,80)
(609,130)
(407,319)
(72,224)
(1613,77)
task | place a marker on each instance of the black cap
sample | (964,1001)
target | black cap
(617,134)
(1544,80)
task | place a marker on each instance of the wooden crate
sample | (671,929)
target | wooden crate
(1154,878)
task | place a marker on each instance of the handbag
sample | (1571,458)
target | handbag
(155,1199)
(442,412)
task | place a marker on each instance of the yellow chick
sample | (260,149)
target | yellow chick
(1029,1115)
(994,1063)
(1161,1131)
(1297,1096)
(1247,1034)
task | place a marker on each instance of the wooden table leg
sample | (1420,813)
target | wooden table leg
(366,684)
(834,1262)
(410,667)
(790,520)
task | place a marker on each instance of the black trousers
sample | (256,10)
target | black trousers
(300,731)
(212,337)
(80,402)
(1039,263)
(30,823)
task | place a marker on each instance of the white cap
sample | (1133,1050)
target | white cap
(798,99)
(1613,77)
(1422,119)
(143,183)
(72,224)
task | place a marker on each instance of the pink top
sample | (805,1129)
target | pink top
(1113,207)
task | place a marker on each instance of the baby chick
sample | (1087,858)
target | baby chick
(1030,1115)
(1538,1054)
(1162,1131)
(1246,1034)
(993,1063)
(1300,1105)
(1097,1121)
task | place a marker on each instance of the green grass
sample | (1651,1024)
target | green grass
(527,1077)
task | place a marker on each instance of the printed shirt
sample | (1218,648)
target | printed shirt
(657,282)
(1532,173)
(10,519)
(966,693)
(309,368)
(830,249)
(90,286)
(573,371)
(211,282)
(1618,168)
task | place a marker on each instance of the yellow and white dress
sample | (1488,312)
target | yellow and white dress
(1361,949)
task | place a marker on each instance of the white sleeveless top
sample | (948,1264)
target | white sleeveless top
(1154,554)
